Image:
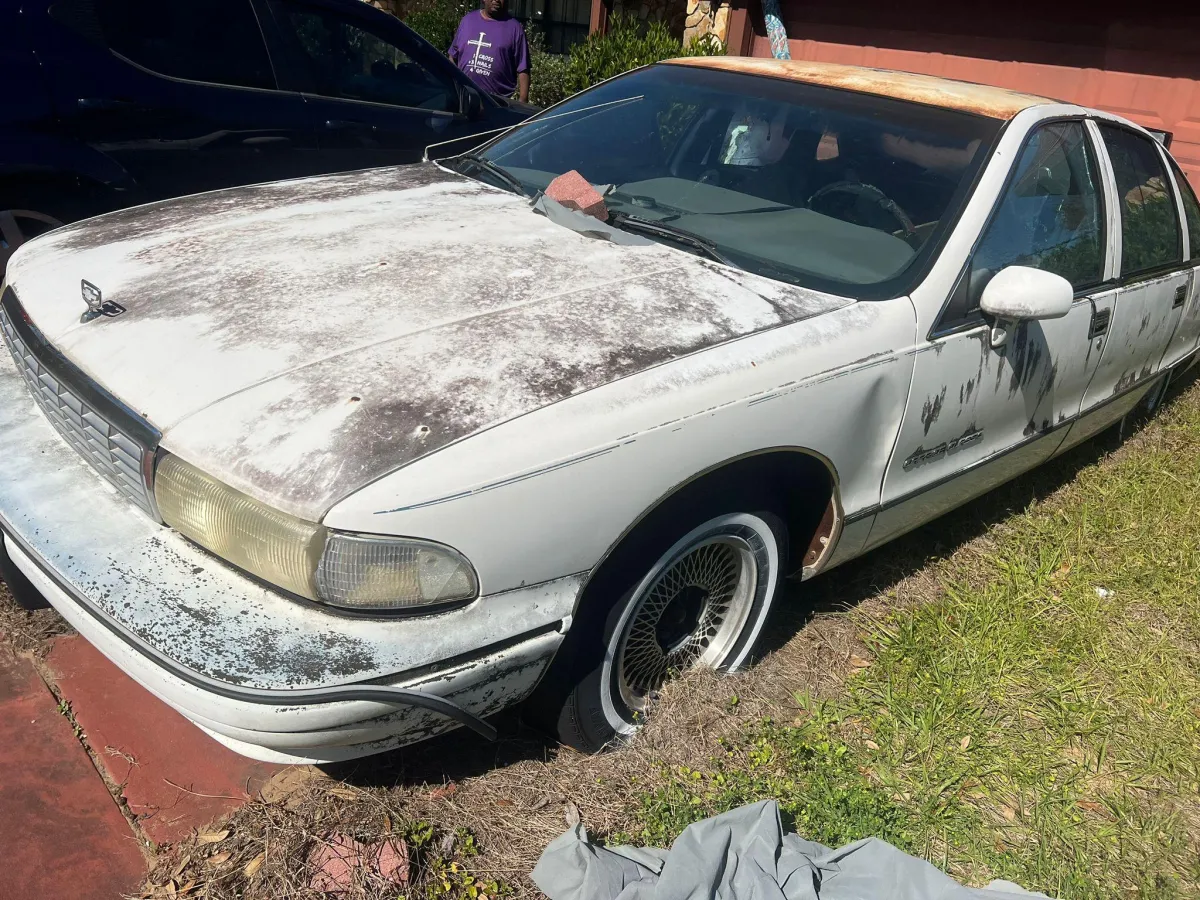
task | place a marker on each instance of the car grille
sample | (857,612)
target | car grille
(113,453)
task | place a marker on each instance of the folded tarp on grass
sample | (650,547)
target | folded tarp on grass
(744,855)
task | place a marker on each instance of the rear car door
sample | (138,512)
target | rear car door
(978,415)
(376,95)
(183,95)
(1154,282)
(1187,332)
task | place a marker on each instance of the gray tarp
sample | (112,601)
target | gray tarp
(744,855)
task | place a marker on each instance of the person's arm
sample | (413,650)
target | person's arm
(523,68)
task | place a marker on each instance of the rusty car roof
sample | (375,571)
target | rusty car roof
(982,99)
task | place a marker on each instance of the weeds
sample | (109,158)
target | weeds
(1036,717)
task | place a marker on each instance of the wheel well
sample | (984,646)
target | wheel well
(796,485)
(63,195)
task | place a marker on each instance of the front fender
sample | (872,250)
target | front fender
(547,495)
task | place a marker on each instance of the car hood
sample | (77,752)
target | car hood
(299,339)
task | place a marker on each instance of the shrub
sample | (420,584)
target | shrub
(548,71)
(626,45)
(437,20)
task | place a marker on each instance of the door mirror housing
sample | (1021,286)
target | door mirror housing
(1021,293)
(472,104)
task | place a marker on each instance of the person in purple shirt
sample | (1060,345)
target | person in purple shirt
(490,47)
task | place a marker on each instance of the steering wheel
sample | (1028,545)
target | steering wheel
(871,194)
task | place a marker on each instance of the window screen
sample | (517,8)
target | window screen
(1150,236)
(345,60)
(216,41)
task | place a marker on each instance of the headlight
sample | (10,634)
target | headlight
(345,570)
(362,572)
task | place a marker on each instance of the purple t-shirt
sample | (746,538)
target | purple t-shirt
(491,51)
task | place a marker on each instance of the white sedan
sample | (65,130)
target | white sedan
(332,465)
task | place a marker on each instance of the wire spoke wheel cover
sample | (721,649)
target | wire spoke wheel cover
(702,604)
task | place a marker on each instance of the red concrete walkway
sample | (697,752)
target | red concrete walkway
(173,776)
(62,834)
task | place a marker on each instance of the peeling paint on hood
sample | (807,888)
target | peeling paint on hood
(299,339)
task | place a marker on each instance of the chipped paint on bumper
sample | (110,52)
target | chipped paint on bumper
(313,733)
(201,636)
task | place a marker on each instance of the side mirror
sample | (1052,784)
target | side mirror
(1020,293)
(472,104)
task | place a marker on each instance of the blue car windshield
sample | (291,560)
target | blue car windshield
(813,185)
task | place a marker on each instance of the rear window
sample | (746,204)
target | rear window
(1191,209)
(216,41)
(1150,235)
(818,186)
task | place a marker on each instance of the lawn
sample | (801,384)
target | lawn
(1010,692)
(1034,714)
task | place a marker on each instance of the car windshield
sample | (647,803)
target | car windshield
(817,186)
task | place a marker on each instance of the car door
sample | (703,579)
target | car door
(1154,281)
(182,95)
(375,95)
(1187,332)
(979,414)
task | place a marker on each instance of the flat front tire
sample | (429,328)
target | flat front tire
(701,603)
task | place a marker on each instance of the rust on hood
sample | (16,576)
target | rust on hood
(965,96)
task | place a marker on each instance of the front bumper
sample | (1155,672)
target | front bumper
(272,678)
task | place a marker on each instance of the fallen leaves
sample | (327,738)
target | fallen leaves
(571,814)
(289,786)
(218,859)
(212,837)
(965,743)
(444,791)
(254,865)
(1098,808)
(857,663)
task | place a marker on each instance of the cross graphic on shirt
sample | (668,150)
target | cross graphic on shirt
(478,45)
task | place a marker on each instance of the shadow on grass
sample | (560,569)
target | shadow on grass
(461,754)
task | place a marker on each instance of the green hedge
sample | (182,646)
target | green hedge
(628,43)
(437,20)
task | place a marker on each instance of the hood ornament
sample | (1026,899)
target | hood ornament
(96,304)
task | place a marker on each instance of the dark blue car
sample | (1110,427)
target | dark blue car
(110,103)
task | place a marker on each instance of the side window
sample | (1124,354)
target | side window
(1191,208)
(347,61)
(1150,236)
(217,41)
(1050,216)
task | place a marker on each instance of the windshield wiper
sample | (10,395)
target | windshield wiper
(503,174)
(679,235)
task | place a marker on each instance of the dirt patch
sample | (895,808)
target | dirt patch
(27,631)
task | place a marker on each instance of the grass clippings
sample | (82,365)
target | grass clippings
(1011,692)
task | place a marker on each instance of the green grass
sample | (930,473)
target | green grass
(1037,718)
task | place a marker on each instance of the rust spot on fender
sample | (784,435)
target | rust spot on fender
(964,96)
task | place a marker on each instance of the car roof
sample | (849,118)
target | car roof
(966,96)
